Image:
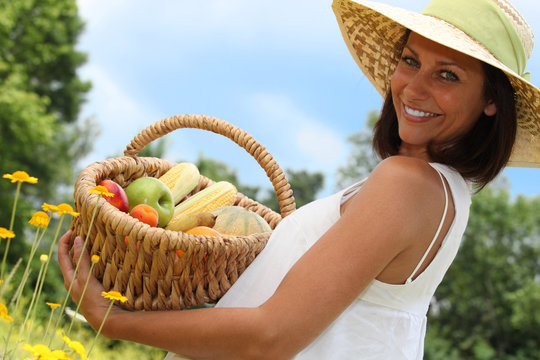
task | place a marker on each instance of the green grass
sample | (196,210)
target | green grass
(104,349)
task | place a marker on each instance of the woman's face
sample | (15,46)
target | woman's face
(437,93)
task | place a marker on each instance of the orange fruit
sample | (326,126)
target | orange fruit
(203,230)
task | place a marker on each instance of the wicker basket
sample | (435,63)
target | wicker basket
(153,277)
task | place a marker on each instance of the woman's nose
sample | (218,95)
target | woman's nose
(417,88)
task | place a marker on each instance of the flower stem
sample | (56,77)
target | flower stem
(10,229)
(10,276)
(26,272)
(101,327)
(48,325)
(51,249)
(80,300)
(75,272)
(33,301)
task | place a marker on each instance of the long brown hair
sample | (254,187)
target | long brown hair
(480,154)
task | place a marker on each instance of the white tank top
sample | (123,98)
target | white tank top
(386,321)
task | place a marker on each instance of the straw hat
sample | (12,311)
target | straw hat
(499,36)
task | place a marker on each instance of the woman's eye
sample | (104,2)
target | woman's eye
(409,61)
(449,75)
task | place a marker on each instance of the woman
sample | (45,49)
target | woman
(352,275)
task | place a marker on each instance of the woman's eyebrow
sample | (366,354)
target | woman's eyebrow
(440,63)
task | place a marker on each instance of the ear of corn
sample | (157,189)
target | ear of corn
(216,195)
(186,222)
(181,179)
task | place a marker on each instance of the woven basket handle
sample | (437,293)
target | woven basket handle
(240,137)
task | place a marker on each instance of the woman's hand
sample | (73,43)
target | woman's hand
(93,306)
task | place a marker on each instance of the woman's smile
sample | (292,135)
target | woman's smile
(417,115)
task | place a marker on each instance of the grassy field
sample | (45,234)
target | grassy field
(104,349)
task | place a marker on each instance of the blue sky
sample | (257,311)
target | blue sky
(277,69)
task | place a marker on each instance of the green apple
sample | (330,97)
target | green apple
(153,192)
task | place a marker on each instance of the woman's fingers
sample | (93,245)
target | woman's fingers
(80,255)
(64,259)
(93,306)
(73,280)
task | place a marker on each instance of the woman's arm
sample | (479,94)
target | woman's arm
(383,219)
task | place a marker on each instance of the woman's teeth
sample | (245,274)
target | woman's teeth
(417,113)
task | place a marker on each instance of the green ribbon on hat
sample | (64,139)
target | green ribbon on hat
(485,22)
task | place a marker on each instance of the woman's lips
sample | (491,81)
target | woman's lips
(416,115)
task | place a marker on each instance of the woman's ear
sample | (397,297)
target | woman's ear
(490,109)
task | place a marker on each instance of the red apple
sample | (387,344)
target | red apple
(120,199)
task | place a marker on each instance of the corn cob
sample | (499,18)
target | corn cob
(181,179)
(187,222)
(216,195)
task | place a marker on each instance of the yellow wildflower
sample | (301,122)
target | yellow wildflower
(21,176)
(38,350)
(66,209)
(95,259)
(40,218)
(4,313)
(43,352)
(100,190)
(58,355)
(76,346)
(5,233)
(52,305)
(114,295)
(43,258)
(49,207)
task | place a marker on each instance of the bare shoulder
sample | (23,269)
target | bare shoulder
(407,178)
(405,171)
(407,189)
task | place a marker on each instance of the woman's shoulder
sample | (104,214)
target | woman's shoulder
(404,183)
(406,172)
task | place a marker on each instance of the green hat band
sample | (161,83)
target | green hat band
(487,23)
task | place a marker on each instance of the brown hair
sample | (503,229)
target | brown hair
(478,155)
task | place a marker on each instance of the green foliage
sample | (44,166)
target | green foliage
(487,305)
(40,99)
(157,148)
(37,43)
(362,160)
(305,185)
(221,171)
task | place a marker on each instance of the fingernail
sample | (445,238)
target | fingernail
(78,241)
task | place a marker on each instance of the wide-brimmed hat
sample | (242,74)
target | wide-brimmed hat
(492,31)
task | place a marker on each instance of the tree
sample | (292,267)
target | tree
(361,160)
(222,171)
(305,185)
(40,99)
(487,305)
(157,149)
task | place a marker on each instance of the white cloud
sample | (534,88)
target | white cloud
(94,11)
(319,141)
(113,104)
(119,114)
(306,140)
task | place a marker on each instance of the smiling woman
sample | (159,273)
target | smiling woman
(355,272)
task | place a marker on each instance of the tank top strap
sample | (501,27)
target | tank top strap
(410,278)
(349,191)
